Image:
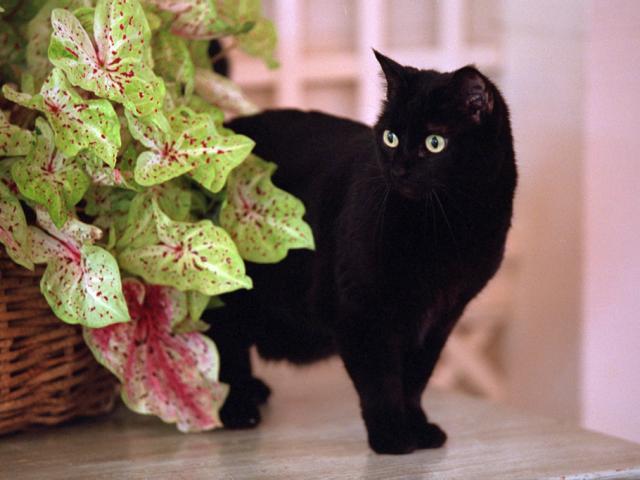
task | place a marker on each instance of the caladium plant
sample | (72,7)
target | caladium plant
(114,162)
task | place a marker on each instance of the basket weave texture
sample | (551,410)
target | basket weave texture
(47,373)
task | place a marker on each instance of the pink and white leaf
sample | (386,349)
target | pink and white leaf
(173,376)
(82,281)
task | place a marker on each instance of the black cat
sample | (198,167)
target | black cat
(410,219)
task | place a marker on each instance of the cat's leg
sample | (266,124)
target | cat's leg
(418,367)
(374,360)
(233,333)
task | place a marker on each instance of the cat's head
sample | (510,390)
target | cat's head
(439,130)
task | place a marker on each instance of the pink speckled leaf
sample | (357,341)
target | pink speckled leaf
(171,375)
(115,65)
(49,178)
(198,19)
(14,233)
(190,256)
(14,141)
(82,281)
(264,221)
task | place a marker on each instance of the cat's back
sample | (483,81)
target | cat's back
(308,146)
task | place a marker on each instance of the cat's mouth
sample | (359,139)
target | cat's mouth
(410,191)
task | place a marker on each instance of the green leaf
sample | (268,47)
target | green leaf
(38,33)
(164,373)
(110,206)
(85,16)
(14,141)
(173,62)
(224,93)
(199,50)
(260,39)
(77,123)
(189,320)
(98,172)
(189,256)
(82,281)
(11,45)
(261,42)
(198,105)
(264,221)
(14,233)
(115,65)
(213,173)
(49,178)
(183,143)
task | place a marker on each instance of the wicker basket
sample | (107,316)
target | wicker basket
(47,374)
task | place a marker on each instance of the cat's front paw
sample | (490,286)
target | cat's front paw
(388,434)
(260,391)
(430,435)
(240,409)
(427,435)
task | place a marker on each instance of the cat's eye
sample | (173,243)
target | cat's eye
(435,143)
(390,139)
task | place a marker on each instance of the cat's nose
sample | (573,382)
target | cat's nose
(398,171)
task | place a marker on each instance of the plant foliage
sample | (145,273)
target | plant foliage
(114,161)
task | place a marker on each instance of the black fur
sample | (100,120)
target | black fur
(405,239)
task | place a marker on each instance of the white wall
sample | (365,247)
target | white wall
(543,85)
(611,331)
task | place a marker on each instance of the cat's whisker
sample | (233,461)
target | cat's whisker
(379,228)
(446,219)
(462,213)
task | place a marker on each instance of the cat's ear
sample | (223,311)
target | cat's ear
(394,73)
(473,94)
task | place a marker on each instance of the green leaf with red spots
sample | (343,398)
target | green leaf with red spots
(264,221)
(232,151)
(171,375)
(116,64)
(38,33)
(182,143)
(82,281)
(190,256)
(77,123)
(49,178)
(14,141)
(14,233)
